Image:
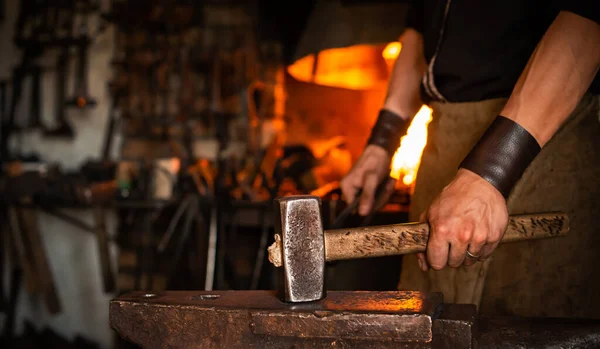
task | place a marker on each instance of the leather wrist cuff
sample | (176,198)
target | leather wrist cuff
(502,154)
(388,130)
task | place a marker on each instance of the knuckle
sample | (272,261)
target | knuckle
(479,239)
(441,228)
(464,236)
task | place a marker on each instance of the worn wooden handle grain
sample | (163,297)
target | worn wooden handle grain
(397,239)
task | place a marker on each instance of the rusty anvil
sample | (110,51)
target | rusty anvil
(345,319)
(303,318)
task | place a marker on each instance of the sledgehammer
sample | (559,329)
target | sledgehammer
(302,246)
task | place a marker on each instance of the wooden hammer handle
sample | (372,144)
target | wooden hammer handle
(397,239)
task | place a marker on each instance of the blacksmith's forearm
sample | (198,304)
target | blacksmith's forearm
(558,74)
(403,97)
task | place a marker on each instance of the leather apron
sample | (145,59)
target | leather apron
(557,277)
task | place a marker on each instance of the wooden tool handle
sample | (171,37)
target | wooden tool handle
(397,239)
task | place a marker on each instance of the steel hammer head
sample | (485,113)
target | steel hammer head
(298,223)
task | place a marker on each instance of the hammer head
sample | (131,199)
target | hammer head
(298,222)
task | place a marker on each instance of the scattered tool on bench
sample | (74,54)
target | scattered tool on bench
(302,246)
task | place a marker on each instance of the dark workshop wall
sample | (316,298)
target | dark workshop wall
(72,254)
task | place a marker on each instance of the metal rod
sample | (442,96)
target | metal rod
(164,241)
(212,249)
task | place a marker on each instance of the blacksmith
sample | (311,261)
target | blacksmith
(515,129)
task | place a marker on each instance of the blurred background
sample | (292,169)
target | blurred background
(142,143)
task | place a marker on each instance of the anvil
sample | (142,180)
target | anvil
(345,319)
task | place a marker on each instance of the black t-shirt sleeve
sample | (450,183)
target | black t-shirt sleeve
(415,16)
(589,9)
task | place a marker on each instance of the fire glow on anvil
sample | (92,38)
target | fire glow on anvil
(396,319)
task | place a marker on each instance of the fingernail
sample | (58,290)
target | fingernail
(420,263)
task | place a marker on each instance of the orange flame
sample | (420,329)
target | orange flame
(407,158)
(357,67)
(391,50)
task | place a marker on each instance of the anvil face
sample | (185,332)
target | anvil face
(232,319)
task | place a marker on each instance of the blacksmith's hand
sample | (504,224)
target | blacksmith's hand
(467,221)
(370,169)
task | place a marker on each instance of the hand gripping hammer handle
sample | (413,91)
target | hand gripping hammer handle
(398,239)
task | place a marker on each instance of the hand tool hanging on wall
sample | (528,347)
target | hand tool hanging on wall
(113,117)
(65,17)
(82,38)
(31,51)
(35,117)
(62,127)
(81,98)
(9,124)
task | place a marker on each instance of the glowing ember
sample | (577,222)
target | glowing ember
(407,158)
